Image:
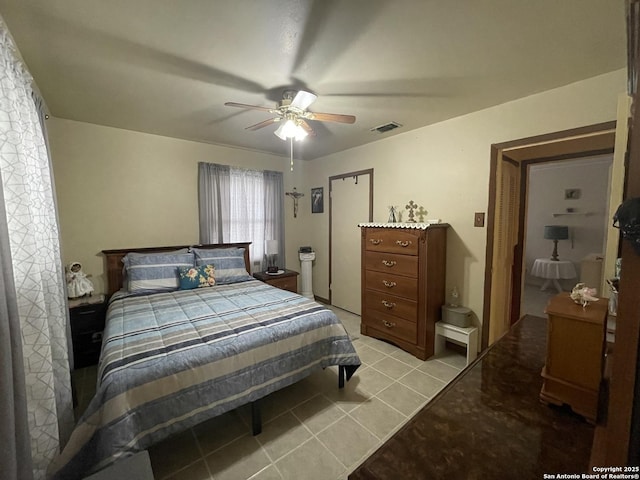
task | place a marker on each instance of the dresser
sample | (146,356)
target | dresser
(403,283)
(574,362)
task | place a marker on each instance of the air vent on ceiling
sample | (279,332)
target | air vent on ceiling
(387,127)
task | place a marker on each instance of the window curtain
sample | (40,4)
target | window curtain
(42,116)
(15,454)
(240,205)
(214,202)
(33,261)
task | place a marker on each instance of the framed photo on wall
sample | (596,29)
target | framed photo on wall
(572,193)
(317,200)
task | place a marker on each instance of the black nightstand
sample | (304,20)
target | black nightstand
(87,324)
(287,280)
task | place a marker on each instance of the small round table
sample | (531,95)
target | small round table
(552,270)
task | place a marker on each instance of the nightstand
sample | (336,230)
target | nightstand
(288,280)
(576,344)
(87,323)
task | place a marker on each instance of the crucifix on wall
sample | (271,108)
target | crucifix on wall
(295,195)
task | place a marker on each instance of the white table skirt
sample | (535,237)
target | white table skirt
(550,269)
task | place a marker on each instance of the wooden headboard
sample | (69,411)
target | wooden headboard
(114,258)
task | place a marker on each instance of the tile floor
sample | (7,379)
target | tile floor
(311,430)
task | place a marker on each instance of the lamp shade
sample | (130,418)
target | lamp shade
(272,247)
(556,232)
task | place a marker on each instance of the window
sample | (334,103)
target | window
(240,205)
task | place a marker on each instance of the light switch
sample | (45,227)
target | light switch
(478,219)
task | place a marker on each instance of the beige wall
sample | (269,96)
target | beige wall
(120,189)
(445,168)
(125,189)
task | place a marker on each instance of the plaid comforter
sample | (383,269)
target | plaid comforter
(172,360)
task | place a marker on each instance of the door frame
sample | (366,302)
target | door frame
(342,176)
(574,143)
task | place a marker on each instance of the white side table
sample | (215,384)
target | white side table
(552,271)
(467,336)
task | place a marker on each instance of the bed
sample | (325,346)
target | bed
(172,358)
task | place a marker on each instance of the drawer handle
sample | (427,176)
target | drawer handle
(389,284)
(406,243)
(375,241)
(389,305)
(388,324)
(388,263)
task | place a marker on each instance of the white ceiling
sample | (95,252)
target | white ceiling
(167,67)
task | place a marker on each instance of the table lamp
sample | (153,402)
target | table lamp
(555,233)
(272,256)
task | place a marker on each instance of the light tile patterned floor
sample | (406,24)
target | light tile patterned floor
(311,430)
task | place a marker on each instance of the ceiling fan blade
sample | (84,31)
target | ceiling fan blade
(263,124)
(303,99)
(307,128)
(331,117)
(250,107)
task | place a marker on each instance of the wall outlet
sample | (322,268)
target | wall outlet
(478,219)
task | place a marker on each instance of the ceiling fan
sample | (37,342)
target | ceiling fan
(292,113)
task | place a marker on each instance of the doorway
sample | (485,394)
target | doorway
(568,195)
(350,203)
(506,219)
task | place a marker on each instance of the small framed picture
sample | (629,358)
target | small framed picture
(317,200)
(572,193)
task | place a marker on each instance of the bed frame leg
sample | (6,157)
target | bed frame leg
(256,418)
(340,376)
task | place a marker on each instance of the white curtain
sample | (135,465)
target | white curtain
(33,239)
(240,205)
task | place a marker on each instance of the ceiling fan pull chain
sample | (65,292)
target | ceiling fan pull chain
(291,150)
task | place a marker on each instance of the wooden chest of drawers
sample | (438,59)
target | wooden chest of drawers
(403,282)
(576,342)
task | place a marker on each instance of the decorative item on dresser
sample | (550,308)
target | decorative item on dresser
(403,283)
(284,280)
(575,354)
(87,316)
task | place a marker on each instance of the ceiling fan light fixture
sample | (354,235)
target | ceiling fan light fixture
(290,129)
(301,133)
(291,114)
(285,130)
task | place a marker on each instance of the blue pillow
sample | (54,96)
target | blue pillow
(228,262)
(126,258)
(155,271)
(196,277)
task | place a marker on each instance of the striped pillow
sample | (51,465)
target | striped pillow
(155,271)
(228,262)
